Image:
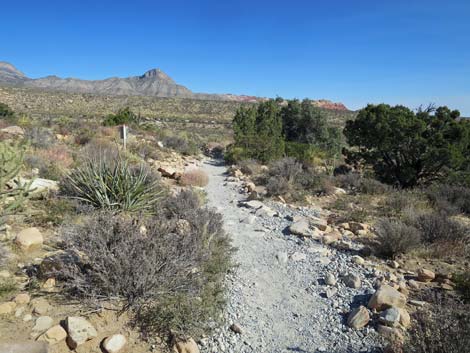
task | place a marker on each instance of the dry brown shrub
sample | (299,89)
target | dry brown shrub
(58,154)
(195,177)
(443,327)
(177,282)
(109,131)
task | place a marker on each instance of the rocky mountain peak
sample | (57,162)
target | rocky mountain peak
(157,74)
(153,83)
(10,74)
(7,67)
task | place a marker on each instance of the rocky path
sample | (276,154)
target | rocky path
(277,295)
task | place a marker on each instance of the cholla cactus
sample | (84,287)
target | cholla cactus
(11,161)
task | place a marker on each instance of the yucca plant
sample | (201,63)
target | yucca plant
(11,162)
(114,185)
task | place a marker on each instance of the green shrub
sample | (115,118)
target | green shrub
(113,184)
(7,287)
(463,285)
(6,113)
(234,154)
(11,162)
(304,124)
(303,152)
(258,131)
(395,237)
(123,116)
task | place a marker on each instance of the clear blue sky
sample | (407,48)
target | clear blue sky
(409,52)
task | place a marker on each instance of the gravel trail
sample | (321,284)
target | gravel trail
(276,294)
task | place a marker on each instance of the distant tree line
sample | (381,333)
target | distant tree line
(275,128)
(402,147)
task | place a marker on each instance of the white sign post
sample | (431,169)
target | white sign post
(124,135)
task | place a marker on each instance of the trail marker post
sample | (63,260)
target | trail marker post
(123,132)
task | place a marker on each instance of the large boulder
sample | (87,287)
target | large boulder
(351,280)
(79,331)
(358,318)
(40,185)
(390,317)
(42,324)
(425,275)
(40,306)
(301,227)
(259,208)
(114,343)
(405,319)
(386,297)
(53,335)
(29,238)
(320,223)
(22,298)
(331,237)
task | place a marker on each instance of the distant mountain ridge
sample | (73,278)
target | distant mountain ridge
(154,83)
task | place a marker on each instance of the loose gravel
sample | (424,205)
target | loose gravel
(276,295)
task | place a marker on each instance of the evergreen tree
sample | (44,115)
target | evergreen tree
(258,132)
(269,136)
(407,148)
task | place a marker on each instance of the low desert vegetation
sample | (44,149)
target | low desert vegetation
(183,253)
(112,207)
(463,285)
(195,177)
(292,180)
(395,237)
(443,328)
(6,114)
(452,199)
(11,196)
(124,116)
(404,172)
(113,184)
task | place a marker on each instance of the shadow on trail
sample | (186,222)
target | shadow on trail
(216,162)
